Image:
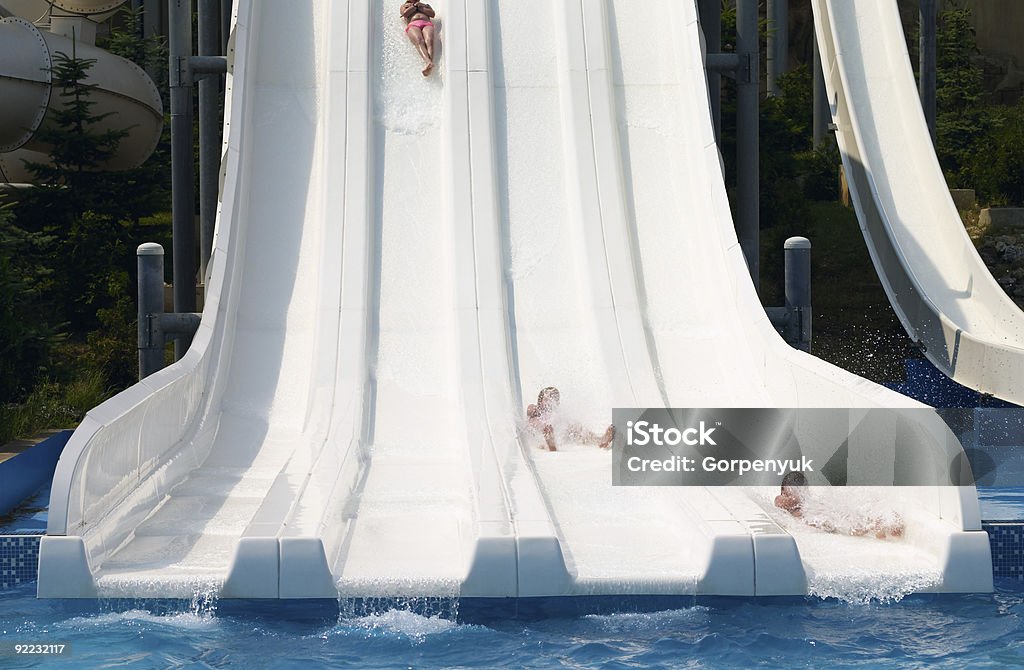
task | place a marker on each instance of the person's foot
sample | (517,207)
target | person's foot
(427,70)
(606,440)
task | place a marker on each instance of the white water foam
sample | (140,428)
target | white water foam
(137,617)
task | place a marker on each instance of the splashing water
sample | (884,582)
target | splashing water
(413,618)
(867,585)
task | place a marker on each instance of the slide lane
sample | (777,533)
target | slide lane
(265,420)
(579,305)
(412,522)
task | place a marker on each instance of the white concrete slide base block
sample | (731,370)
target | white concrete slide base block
(304,569)
(542,570)
(64,569)
(254,569)
(963,570)
(778,570)
(492,568)
(729,568)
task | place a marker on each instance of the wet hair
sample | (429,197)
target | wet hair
(794,478)
(550,391)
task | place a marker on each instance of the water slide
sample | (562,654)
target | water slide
(400,265)
(941,290)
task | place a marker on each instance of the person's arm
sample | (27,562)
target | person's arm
(407,10)
(426,9)
(532,412)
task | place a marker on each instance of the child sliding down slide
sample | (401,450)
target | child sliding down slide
(545,419)
(420,30)
(794,499)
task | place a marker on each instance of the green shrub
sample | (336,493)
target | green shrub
(52,405)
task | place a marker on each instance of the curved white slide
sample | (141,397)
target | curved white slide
(401,264)
(941,290)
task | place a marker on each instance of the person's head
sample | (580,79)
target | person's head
(548,398)
(792,480)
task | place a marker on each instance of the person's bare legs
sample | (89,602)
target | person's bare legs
(416,37)
(587,436)
(549,437)
(428,42)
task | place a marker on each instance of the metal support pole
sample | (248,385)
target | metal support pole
(778,43)
(225,24)
(928,64)
(822,114)
(151,18)
(748,135)
(151,303)
(711,22)
(182,168)
(798,290)
(209,141)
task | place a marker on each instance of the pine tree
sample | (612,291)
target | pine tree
(961,118)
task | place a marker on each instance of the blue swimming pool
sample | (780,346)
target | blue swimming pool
(976,631)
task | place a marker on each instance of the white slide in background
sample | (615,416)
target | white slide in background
(941,290)
(400,265)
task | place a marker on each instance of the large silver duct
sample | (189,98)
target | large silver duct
(123,90)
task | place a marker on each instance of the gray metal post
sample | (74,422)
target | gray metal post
(151,18)
(182,168)
(711,22)
(151,305)
(778,43)
(821,108)
(209,141)
(748,135)
(798,289)
(225,24)
(928,64)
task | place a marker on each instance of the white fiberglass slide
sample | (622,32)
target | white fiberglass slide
(941,290)
(401,264)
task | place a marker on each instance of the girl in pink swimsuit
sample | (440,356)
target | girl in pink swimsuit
(420,30)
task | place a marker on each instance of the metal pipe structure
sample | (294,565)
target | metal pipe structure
(155,325)
(151,23)
(748,135)
(929,62)
(793,321)
(209,127)
(822,113)
(711,23)
(226,7)
(182,170)
(151,303)
(778,43)
(797,253)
